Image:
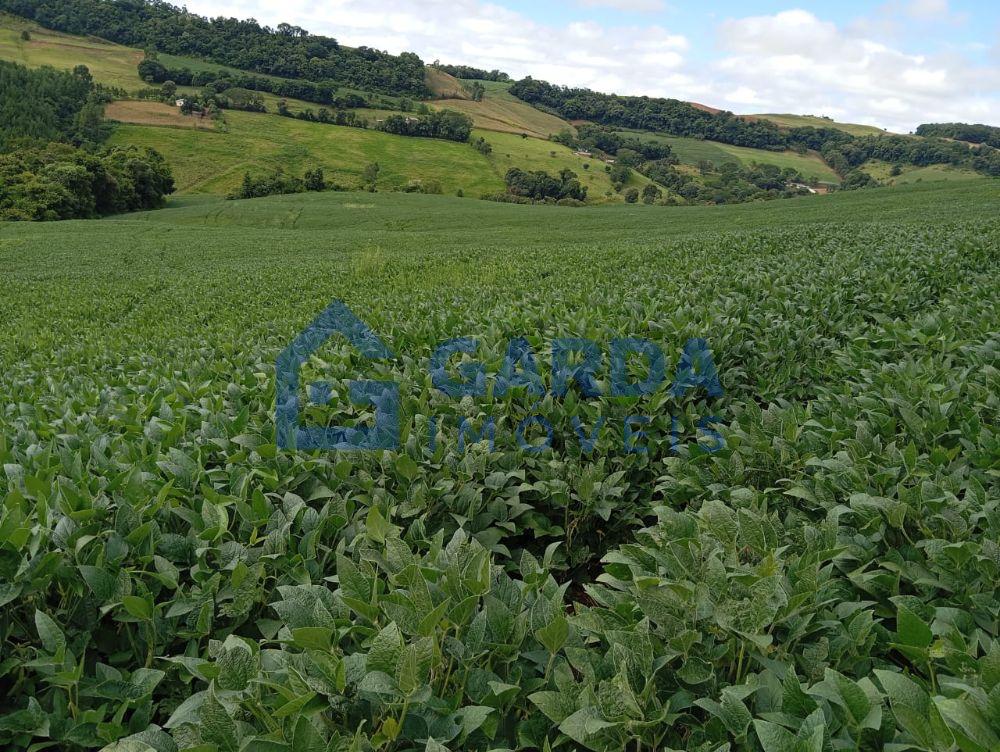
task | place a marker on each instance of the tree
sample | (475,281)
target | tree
(650,193)
(25,36)
(61,182)
(369,176)
(152,71)
(283,108)
(168,90)
(478,91)
(631,195)
(314,180)
(619,176)
(39,105)
(82,73)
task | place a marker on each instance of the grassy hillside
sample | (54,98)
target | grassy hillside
(801,121)
(443,85)
(214,162)
(110,64)
(512,150)
(499,110)
(206,160)
(690,151)
(882,171)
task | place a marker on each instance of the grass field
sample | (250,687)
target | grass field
(511,150)
(801,121)
(109,63)
(690,151)
(499,110)
(882,171)
(205,160)
(154,113)
(214,162)
(170,574)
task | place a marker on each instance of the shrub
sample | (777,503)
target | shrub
(270,184)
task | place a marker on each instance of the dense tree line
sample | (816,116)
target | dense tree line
(538,185)
(153,71)
(728,183)
(987,161)
(846,155)
(649,113)
(841,150)
(973,133)
(447,124)
(287,51)
(43,104)
(60,181)
(468,72)
(323,115)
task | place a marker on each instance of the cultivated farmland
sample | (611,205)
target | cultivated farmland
(825,579)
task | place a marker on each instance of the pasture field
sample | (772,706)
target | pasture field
(819,574)
(882,171)
(499,110)
(206,160)
(109,63)
(512,150)
(214,162)
(691,151)
(802,121)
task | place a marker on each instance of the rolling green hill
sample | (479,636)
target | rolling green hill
(114,64)
(206,160)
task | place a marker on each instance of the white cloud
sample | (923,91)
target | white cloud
(640,6)
(928,8)
(624,59)
(797,62)
(791,61)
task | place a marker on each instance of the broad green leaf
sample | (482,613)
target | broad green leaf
(52,637)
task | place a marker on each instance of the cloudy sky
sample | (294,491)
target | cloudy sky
(893,64)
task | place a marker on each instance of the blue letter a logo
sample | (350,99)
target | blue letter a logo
(384,395)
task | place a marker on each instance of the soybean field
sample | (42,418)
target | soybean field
(804,558)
